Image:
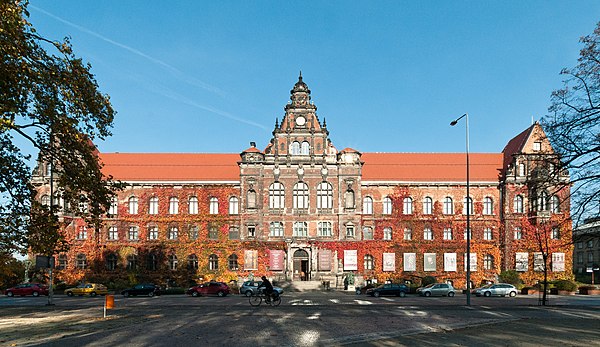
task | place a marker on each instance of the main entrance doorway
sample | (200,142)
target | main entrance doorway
(301,265)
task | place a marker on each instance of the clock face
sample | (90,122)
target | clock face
(300,120)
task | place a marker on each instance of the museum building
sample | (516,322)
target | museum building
(302,210)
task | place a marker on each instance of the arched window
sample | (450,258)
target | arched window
(173,205)
(213,232)
(193,233)
(387,205)
(488,262)
(518,204)
(448,207)
(387,233)
(232,262)
(173,261)
(427,205)
(305,150)
(214,206)
(488,206)
(300,196)
(276,196)
(468,205)
(213,262)
(153,205)
(193,205)
(554,204)
(324,196)
(114,206)
(192,262)
(45,200)
(81,261)
(369,262)
(276,229)
(132,262)
(234,205)
(111,262)
(300,229)
(368,205)
(133,205)
(407,206)
(295,148)
(521,169)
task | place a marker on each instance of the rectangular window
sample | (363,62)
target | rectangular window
(133,234)
(470,234)
(173,233)
(537,146)
(234,233)
(251,231)
(487,234)
(324,229)
(367,233)
(447,234)
(153,233)
(276,229)
(213,232)
(350,231)
(407,234)
(114,206)
(82,233)
(113,233)
(555,233)
(579,257)
(387,233)
(518,234)
(300,229)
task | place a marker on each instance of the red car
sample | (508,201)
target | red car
(209,288)
(34,289)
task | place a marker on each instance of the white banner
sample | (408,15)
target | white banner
(350,259)
(410,262)
(521,261)
(389,262)
(449,262)
(538,261)
(558,262)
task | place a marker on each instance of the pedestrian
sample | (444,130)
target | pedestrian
(345,283)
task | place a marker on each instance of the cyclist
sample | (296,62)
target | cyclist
(267,288)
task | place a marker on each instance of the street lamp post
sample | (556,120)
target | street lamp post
(468,207)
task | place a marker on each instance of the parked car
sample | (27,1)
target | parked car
(142,289)
(498,289)
(251,287)
(437,289)
(91,289)
(388,289)
(35,289)
(209,288)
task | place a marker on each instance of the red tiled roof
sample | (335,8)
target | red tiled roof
(431,167)
(407,167)
(171,166)
(515,145)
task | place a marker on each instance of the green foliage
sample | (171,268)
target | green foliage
(427,280)
(50,99)
(565,285)
(511,277)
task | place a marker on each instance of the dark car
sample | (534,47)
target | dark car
(209,288)
(34,289)
(251,287)
(142,289)
(388,289)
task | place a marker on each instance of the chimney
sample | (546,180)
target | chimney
(252,144)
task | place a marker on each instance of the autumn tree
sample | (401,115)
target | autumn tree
(573,126)
(49,101)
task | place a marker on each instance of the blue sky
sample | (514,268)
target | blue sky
(388,76)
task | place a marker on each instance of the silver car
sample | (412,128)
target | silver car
(437,289)
(251,287)
(498,289)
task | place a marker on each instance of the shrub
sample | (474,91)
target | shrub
(510,277)
(566,285)
(427,280)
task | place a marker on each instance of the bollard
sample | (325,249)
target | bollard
(109,303)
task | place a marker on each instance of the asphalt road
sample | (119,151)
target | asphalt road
(303,319)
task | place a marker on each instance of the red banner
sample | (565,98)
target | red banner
(276,260)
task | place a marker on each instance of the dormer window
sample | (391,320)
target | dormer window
(537,146)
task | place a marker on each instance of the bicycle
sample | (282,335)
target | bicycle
(257,298)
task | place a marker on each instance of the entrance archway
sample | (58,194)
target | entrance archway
(301,268)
